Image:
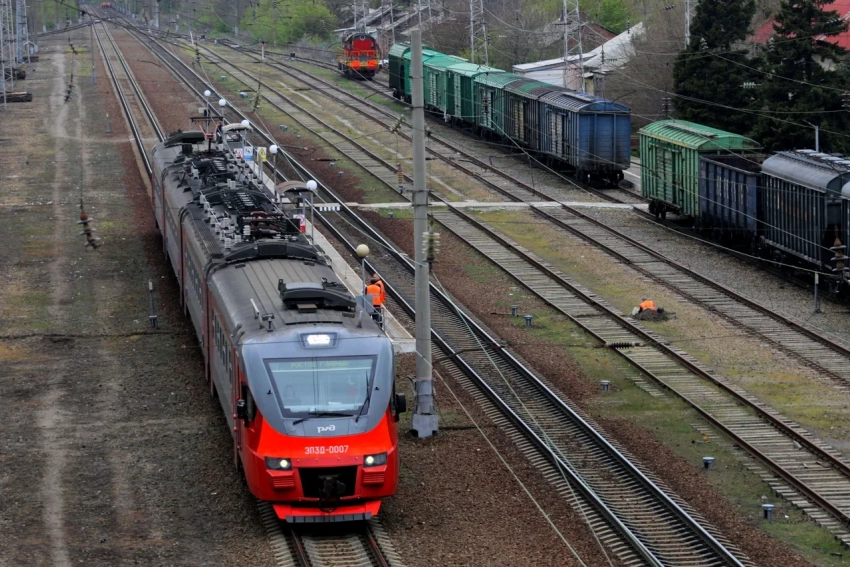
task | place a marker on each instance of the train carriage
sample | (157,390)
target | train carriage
(461,91)
(435,73)
(804,205)
(728,198)
(491,102)
(670,167)
(404,70)
(591,134)
(304,375)
(398,71)
(520,119)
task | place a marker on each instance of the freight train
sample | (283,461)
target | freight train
(304,376)
(586,134)
(359,56)
(792,207)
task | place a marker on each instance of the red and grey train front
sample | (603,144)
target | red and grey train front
(317,434)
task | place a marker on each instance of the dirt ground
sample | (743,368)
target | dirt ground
(112,452)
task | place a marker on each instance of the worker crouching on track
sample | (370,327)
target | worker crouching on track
(375,290)
(647,311)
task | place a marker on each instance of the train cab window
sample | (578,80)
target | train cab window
(317,385)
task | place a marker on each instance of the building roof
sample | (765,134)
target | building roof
(763,34)
(612,54)
(697,137)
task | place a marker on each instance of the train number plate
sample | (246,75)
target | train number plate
(331,450)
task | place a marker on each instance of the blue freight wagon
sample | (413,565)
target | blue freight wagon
(590,133)
(728,198)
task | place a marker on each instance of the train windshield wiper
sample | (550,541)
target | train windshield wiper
(323,414)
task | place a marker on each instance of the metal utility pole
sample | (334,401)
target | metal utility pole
(22,31)
(424,421)
(572,37)
(477,30)
(817,134)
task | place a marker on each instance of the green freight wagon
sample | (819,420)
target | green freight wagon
(670,166)
(435,75)
(395,61)
(491,102)
(460,90)
(405,68)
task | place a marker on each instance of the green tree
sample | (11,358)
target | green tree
(709,69)
(805,79)
(613,14)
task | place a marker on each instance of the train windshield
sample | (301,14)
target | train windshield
(316,386)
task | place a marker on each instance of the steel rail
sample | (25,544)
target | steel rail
(122,98)
(146,107)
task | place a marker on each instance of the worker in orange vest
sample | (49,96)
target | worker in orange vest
(646,304)
(373,290)
(376,279)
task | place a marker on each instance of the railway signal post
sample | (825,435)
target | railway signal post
(424,421)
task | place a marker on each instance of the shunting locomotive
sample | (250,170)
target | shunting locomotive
(359,55)
(304,376)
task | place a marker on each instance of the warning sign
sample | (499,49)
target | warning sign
(237,152)
(261,154)
(248,153)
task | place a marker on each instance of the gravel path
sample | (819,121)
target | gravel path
(112,452)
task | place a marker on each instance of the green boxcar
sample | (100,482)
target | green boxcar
(395,62)
(670,167)
(460,90)
(405,68)
(491,102)
(435,74)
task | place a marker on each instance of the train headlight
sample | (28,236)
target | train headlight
(278,464)
(375,460)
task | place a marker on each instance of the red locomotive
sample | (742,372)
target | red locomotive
(359,56)
(304,376)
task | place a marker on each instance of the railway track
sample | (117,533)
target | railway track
(649,529)
(143,124)
(359,545)
(769,437)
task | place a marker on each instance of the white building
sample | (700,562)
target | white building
(596,64)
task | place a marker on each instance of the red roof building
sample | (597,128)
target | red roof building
(765,31)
